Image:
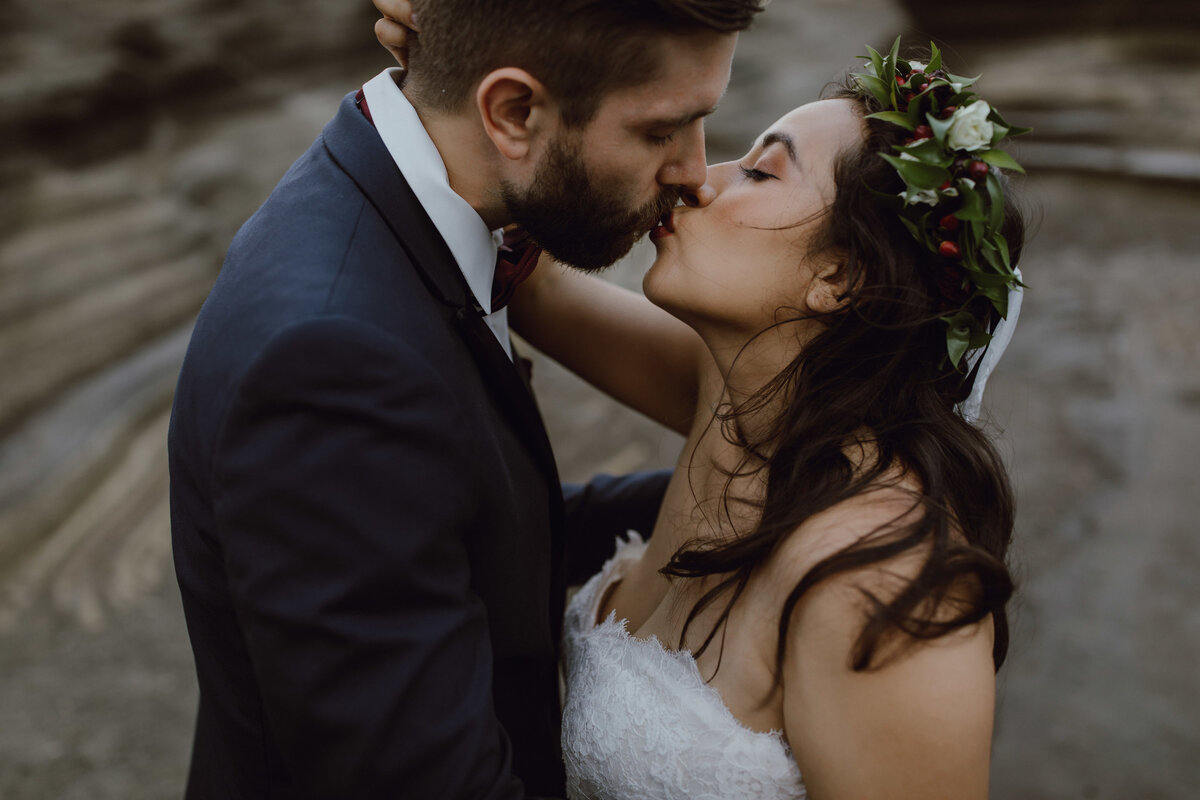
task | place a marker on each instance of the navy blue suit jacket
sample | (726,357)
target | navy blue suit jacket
(368,526)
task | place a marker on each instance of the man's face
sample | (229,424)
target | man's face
(599,188)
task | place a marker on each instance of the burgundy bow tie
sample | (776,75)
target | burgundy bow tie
(515,261)
(516,258)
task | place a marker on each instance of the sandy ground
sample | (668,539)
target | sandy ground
(1097,408)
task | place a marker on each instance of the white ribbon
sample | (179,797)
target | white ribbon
(1001,336)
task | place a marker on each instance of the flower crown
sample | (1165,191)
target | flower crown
(953,201)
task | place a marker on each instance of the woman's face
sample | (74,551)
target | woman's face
(731,262)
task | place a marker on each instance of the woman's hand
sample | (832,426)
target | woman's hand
(399,23)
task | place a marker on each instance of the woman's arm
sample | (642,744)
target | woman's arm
(613,338)
(918,726)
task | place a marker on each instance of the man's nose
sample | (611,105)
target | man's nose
(716,178)
(700,196)
(689,171)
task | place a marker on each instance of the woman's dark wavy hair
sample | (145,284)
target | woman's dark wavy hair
(877,375)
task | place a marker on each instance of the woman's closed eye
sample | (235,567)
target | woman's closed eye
(757,175)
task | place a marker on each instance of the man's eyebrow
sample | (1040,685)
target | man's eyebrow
(680,121)
(776,137)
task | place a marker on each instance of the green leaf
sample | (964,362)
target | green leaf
(895,54)
(979,337)
(991,281)
(958,335)
(919,174)
(996,196)
(915,114)
(889,75)
(999,158)
(912,228)
(1001,245)
(894,117)
(930,152)
(996,117)
(969,239)
(876,59)
(992,256)
(997,295)
(935,62)
(941,127)
(875,86)
(972,208)
(893,202)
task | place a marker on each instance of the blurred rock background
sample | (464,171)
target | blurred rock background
(137,136)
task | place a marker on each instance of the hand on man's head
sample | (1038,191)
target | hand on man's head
(393,30)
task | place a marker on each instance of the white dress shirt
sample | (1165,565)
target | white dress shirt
(473,246)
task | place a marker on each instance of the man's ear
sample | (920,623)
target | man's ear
(827,289)
(515,109)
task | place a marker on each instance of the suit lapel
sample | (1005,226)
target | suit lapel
(356,147)
(503,375)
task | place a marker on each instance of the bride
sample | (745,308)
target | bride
(820,610)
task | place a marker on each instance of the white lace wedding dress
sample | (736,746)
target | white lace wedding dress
(640,722)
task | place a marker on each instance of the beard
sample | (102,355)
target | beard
(582,225)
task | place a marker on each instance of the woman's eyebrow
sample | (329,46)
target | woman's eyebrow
(776,137)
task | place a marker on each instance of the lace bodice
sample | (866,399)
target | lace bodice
(640,722)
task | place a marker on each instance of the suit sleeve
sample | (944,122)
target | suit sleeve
(341,484)
(604,508)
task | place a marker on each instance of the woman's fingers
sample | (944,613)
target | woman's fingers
(394,37)
(399,10)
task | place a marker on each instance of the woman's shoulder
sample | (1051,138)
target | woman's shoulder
(879,513)
(855,557)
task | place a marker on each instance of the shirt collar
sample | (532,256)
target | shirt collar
(473,246)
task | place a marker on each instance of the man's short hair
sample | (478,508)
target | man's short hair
(579,49)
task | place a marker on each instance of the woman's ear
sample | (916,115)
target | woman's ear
(827,289)
(515,110)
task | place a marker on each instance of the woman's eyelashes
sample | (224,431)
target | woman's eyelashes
(757,175)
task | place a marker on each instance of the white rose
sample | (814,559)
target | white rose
(969,127)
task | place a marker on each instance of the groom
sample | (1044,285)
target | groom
(368,528)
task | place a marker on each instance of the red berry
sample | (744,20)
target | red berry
(900,80)
(948,111)
(949,250)
(923,132)
(949,222)
(945,186)
(924,87)
(978,170)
